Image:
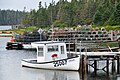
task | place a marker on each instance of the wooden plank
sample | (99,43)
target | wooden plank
(96,53)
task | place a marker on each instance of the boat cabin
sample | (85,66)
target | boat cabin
(50,50)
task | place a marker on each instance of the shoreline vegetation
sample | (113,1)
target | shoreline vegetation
(32,28)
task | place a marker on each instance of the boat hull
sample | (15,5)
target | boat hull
(63,64)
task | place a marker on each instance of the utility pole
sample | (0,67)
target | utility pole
(45,5)
(40,5)
(58,15)
(24,9)
(52,19)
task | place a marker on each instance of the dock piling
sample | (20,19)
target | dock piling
(95,67)
(83,67)
(107,66)
(113,66)
(118,65)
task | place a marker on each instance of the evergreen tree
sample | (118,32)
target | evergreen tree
(76,12)
(115,18)
(11,17)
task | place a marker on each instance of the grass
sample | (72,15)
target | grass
(111,44)
(22,30)
(108,27)
(113,27)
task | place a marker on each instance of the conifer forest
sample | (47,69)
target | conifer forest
(66,14)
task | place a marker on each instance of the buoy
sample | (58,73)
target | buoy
(12,40)
(54,56)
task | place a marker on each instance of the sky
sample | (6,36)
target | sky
(20,4)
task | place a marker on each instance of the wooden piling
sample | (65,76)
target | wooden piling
(86,67)
(107,66)
(113,66)
(95,67)
(83,67)
(118,64)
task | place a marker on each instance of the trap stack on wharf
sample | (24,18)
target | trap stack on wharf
(23,41)
(87,35)
(91,53)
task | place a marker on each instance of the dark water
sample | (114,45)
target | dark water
(11,69)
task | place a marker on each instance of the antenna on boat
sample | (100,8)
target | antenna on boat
(69,47)
(52,20)
(76,46)
(52,31)
(80,47)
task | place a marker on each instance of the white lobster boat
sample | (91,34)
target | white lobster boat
(52,55)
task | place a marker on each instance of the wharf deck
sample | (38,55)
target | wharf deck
(91,59)
(96,53)
(6,35)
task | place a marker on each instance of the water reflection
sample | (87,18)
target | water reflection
(6,27)
(40,74)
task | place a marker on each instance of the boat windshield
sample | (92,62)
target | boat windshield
(52,48)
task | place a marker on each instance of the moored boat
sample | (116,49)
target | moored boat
(52,55)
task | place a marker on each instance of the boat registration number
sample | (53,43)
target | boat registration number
(59,63)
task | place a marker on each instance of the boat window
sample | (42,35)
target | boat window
(40,51)
(52,48)
(62,49)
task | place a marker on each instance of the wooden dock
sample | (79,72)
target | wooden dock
(6,35)
(92,60)
(109,59)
